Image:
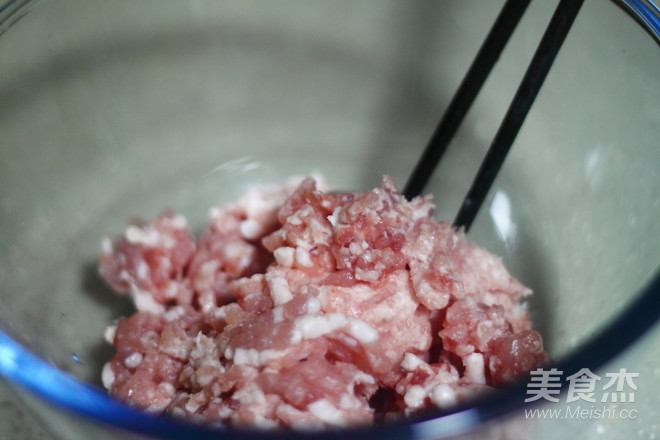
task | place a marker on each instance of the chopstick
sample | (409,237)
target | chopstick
(543,58)
(497,38)
(536,73)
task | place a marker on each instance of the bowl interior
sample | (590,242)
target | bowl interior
(110,112)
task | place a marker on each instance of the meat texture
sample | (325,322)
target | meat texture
(308,309)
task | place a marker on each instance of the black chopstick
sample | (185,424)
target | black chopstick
(488,54)
(545,54)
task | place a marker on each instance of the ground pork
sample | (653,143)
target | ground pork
(303,308)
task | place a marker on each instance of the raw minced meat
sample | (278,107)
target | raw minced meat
(302,308)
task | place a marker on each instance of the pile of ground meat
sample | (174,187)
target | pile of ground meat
(302,308)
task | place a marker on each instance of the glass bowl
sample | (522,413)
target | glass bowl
(110,111)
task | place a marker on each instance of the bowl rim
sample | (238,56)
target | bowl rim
(21,367)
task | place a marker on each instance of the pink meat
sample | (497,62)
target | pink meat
(149,261)
(302,308)
(513,355)
(223,255)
